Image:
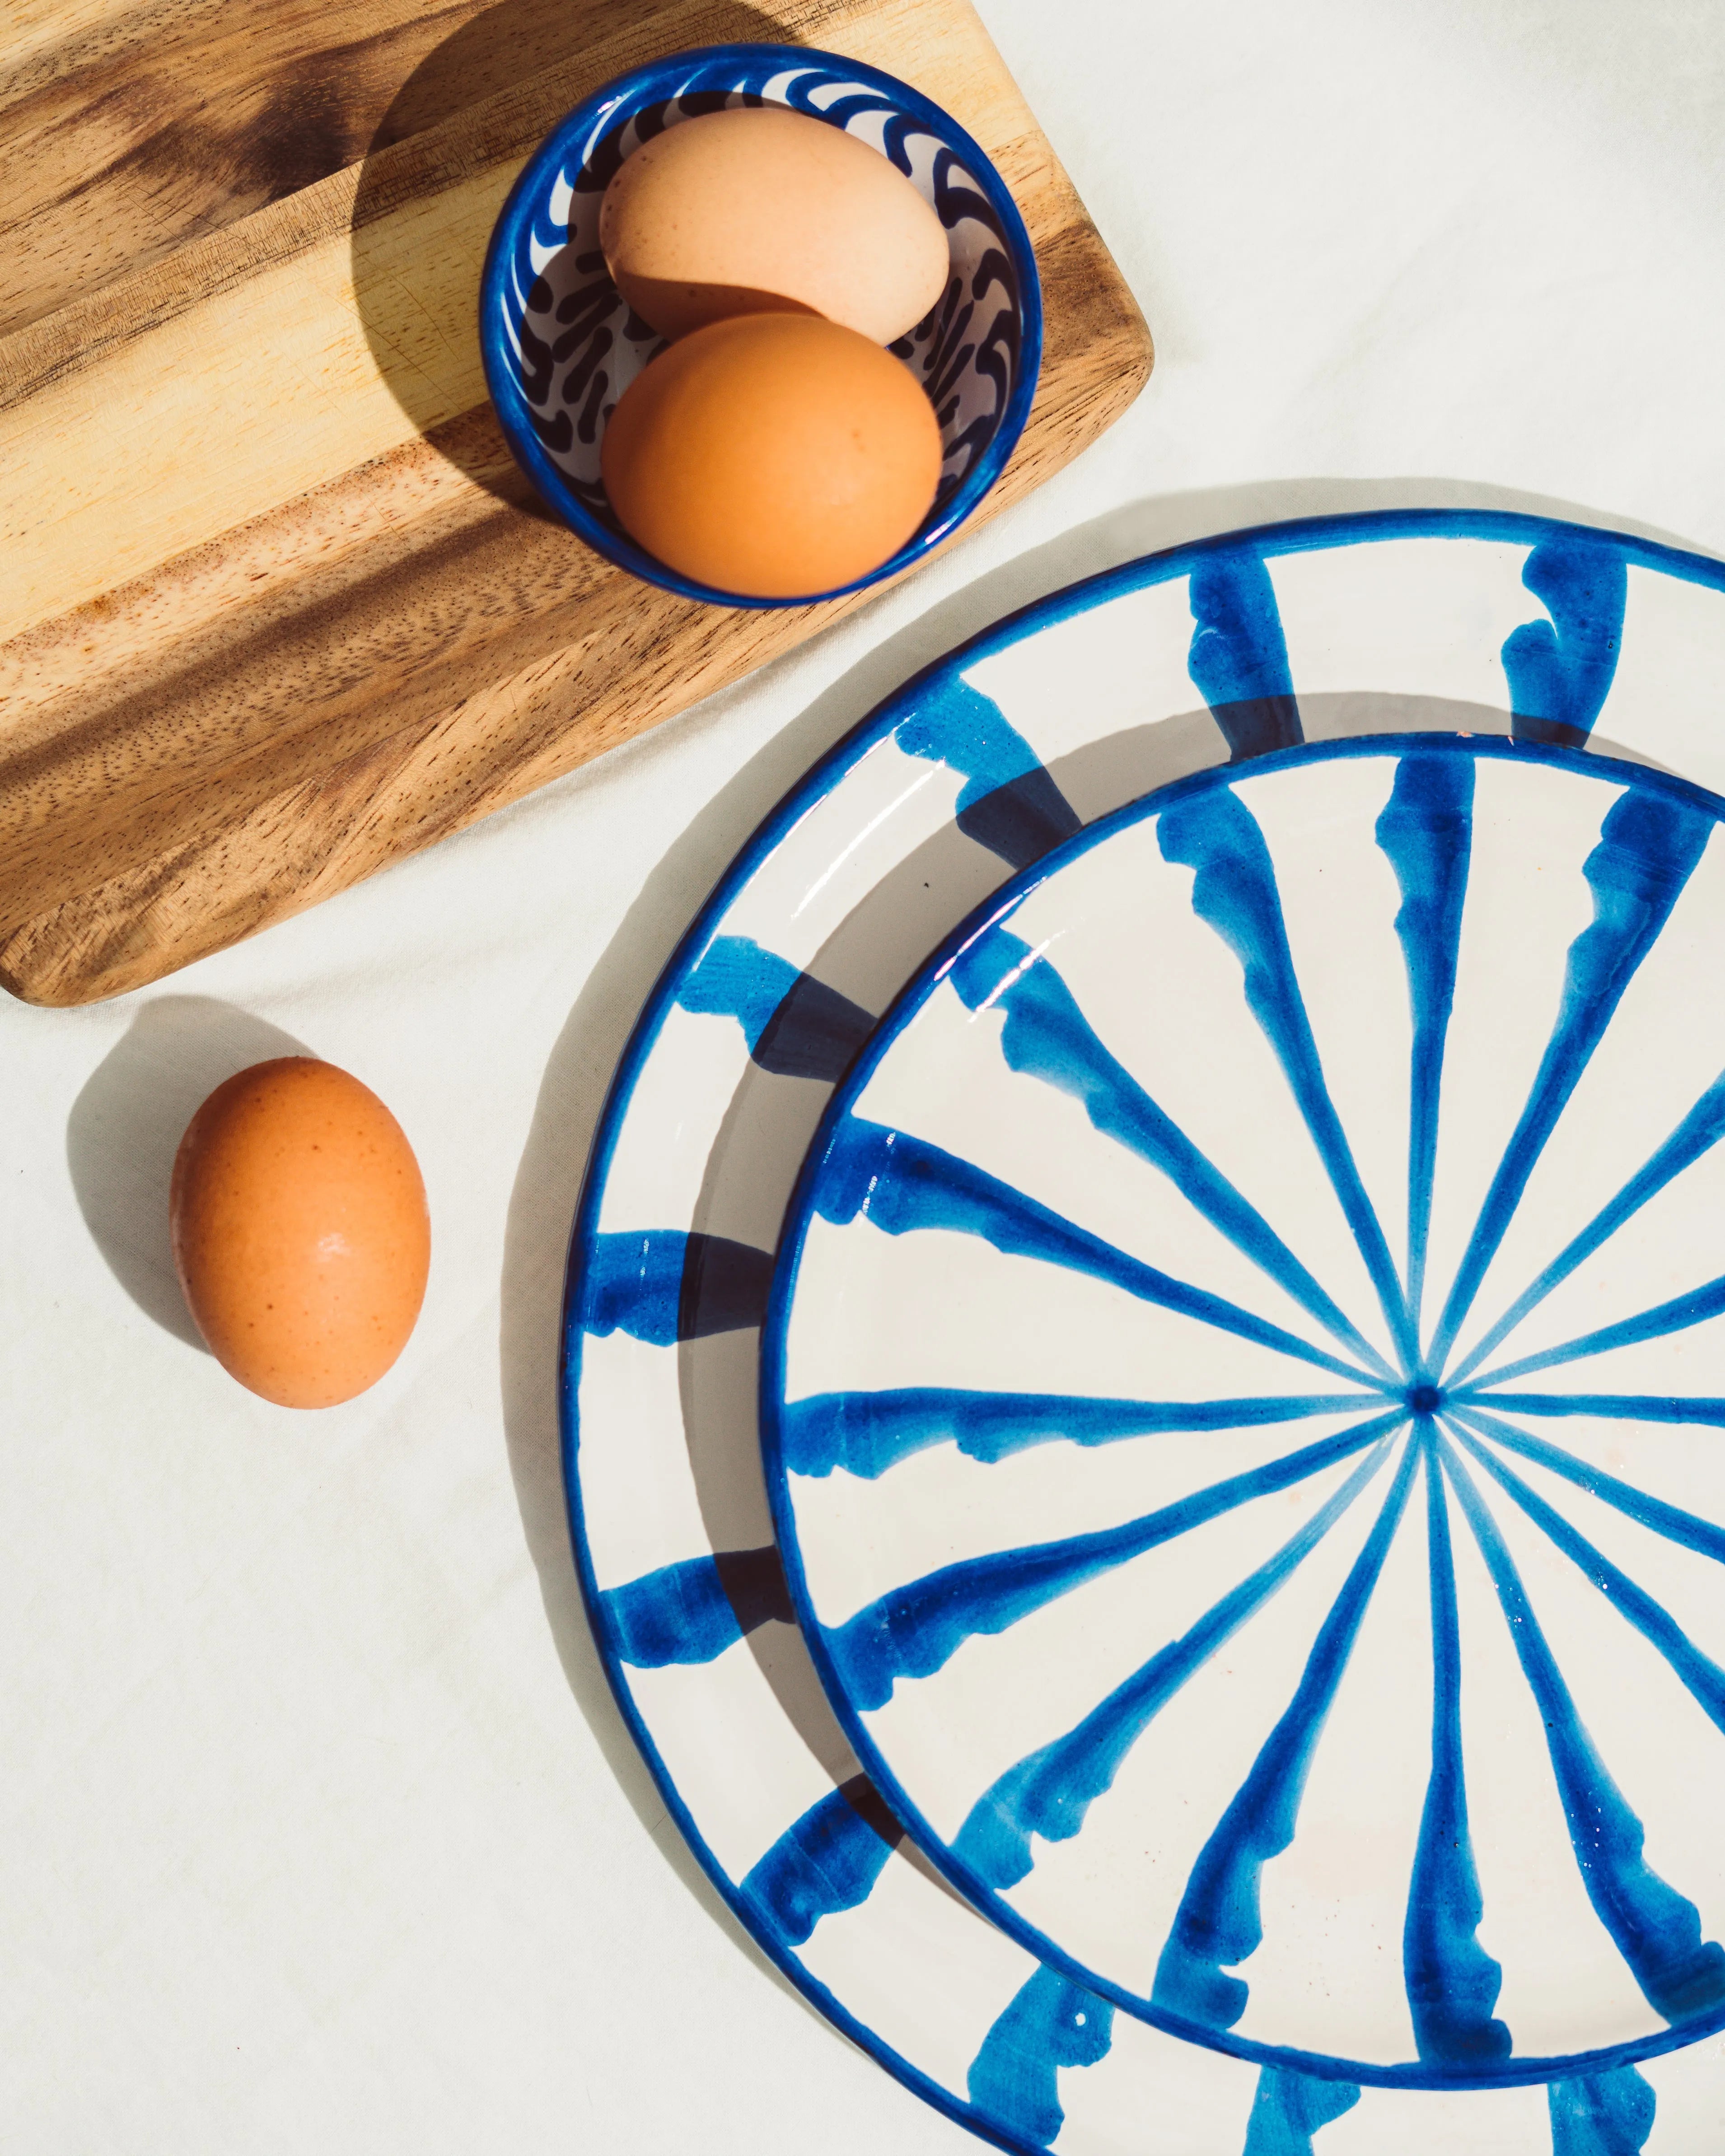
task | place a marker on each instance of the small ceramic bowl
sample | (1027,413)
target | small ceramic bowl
(561,346)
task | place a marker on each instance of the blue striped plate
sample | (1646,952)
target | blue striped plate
(1154,1382)
(1281,650)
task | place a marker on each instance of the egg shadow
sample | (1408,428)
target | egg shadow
(473,102)
(125,1126)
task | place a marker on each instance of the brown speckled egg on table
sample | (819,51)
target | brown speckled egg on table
(300,1232)
(756,209)
(773,455)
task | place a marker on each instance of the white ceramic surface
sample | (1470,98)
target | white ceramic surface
(1244,1382)
(1398,621)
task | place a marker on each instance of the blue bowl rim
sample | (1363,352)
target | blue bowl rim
(619,99)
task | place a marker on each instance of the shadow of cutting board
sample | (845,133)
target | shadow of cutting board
(278,607)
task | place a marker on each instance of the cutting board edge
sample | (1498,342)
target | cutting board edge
(38,953)
(108,930)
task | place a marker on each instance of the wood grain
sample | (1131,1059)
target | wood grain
(283,607)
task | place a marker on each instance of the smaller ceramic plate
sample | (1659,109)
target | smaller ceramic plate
(1241,1396)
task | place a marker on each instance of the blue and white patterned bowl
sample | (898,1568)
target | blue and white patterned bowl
(561,346)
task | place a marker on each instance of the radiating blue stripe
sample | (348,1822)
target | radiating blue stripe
(1670,1520)
(693,1611)
(795,1025)
(1702,1129)
(1220,1921)
(1009,801)
(679,1613)
(1649,846)
(1707,1411)
(1560,671)
(1452,1983)
(903,1184)
(1050,1790)
(1701,1676)
(1235,892)
(826,1862)
(1237,657)
(1046,1036)
(917,1629)
(1015,2078)
(735,978)
(867,1433)
(1656,1930)
(663,1285)
(1677,1315)
(956,724)
(1426,833)
(1289,2109)
(634,1282)
(1601,2114)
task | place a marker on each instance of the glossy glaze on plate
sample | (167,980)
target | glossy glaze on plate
(1061,714)
(1148,1391)
(561,344)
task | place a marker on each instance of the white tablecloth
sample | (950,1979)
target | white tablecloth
(318,1830)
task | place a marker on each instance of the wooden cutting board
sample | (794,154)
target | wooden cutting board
(278,607)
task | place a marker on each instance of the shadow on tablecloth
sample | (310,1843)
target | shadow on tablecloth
(126,1127)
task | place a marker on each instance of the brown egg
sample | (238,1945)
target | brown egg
(300,1231)
(754,208)
(777,455)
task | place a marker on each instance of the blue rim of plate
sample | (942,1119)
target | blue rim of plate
(1265,540)
(799,1215)
(614,103)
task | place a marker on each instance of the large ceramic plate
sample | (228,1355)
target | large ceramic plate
(1159,1386)
(1063,714)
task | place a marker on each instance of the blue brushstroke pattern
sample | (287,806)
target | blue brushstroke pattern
(1601,2114)
(1234,891)
(904,1184)
(1560,671)
(915,1629)
(823,1863)
(1046,1036)
(1220,1921)
(1049,1791)
(1707,1410)
(1695,1307)
(1015,2078)
(1656,1930)
(1289,2109)
(1238,658)
(1699,1130)
(795,1025)
(1009,803)
(1670,1520)
(634,1282)
(679,1613)
(969,733)
(693,1611)
(1426,834)
(867,1433)
(1649,846)
(661,1285)
(1452,1983)
(735,978)
(1701,1676)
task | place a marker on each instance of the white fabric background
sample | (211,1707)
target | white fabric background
(317,1829)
